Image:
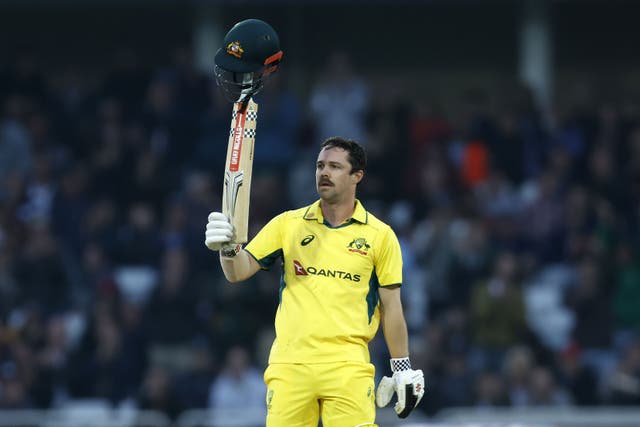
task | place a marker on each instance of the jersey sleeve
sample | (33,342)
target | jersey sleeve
(266,246)
(388,263)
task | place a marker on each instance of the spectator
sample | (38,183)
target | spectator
(100,225)
(457,387)
(138,242)
(149,182)
(51,360)
(339,100)
(174,225)
(496,197)
(604,178)
(171,319)
(39,191)
(156,393)
(389,146)
(69,207)
(428,130)
(8,282)
(192,95)
(198,197)
(544,391)
(497,311)
(433,250)
(14,391)
(581,223)
(430,355)
(40,271)
(278,126)
(239,385)
(213,122)
(15,154)
(626,298)
(99,367)
(490,391)
(590,302)
(97,276)
(192,386)
(508,154)
(543,221)
(517,368)
(623,386)
(110,160)
(576,377)
(135,343)
(472,255)
(168,129)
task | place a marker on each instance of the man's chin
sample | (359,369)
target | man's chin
(326,192)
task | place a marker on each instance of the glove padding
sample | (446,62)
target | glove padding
(408,385)
(219,232)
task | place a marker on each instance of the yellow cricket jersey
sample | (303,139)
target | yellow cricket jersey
(328,308)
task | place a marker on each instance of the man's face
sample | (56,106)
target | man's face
(334,179)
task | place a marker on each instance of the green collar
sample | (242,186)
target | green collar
(315,212)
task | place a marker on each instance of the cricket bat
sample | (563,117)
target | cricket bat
(238,167)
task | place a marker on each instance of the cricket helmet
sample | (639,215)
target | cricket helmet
(250,52)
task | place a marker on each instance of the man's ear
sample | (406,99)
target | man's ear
(357,176)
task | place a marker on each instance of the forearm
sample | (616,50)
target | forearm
(394,327)
(238,268)
(406,382)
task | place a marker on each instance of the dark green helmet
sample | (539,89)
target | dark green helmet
(250,52)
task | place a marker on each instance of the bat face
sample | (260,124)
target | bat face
(238,168)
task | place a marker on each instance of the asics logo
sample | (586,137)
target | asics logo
(308,239)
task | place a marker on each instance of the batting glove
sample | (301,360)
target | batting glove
(407,383)
(219,235)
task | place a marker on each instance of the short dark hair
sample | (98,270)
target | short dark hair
(357,156)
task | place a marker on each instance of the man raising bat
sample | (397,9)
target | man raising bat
(341,276)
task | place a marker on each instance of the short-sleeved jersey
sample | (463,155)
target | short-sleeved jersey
(329,302)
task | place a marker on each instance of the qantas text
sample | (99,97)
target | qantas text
(302,271)
(333,273)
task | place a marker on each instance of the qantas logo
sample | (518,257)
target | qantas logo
(315,271)
(300,271)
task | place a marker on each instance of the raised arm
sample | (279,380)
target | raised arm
(239,267)
(236,263)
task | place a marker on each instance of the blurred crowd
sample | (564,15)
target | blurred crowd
(520,234)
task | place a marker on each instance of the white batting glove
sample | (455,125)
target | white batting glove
(219,231)
(407,383)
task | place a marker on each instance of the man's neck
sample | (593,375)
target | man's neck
(337,213)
